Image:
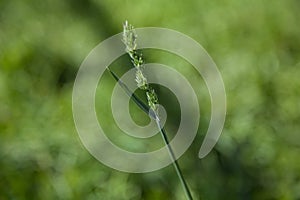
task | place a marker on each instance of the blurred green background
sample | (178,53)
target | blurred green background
(256,45)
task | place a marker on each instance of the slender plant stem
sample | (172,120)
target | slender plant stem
(174,162)
(163,132)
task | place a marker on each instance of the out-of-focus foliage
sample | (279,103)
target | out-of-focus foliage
(256,45)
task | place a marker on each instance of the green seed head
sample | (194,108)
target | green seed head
(129,37)
(141,80)
(152,99)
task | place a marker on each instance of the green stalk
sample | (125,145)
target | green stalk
(175,163)
(129,39)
